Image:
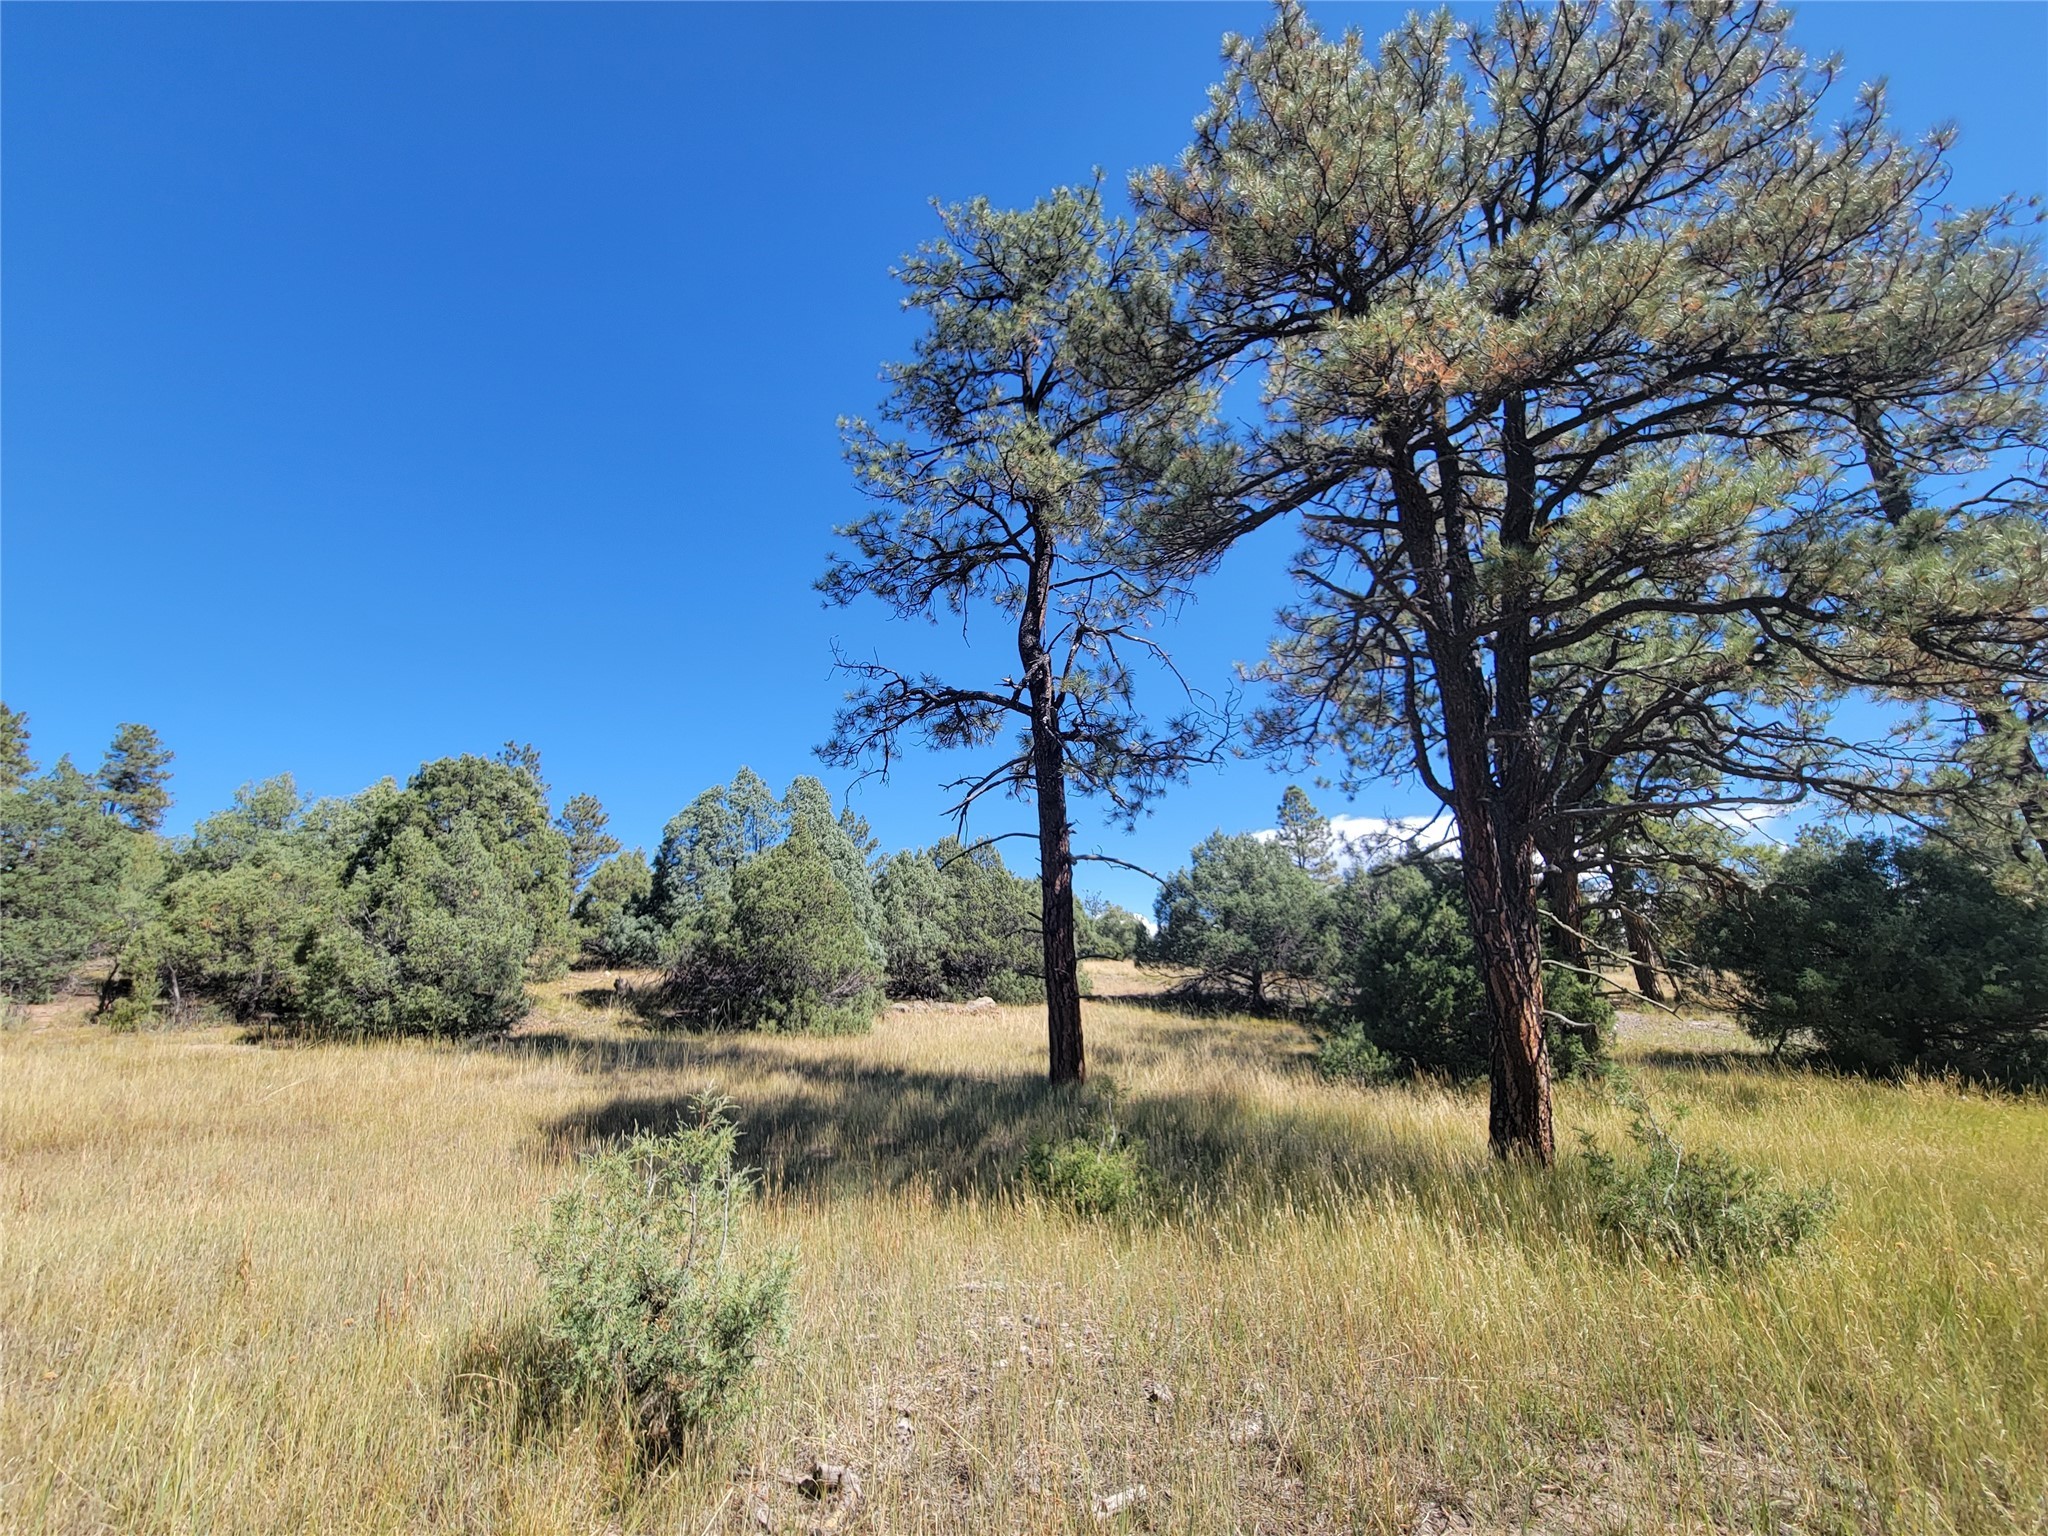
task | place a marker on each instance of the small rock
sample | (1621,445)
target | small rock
(826,1477)
(1246,1430)
(759,1513)
(1110,1505)
(1159,1392)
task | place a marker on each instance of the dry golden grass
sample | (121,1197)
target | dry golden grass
(248,1288)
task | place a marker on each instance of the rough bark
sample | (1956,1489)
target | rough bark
(1643,955)
(1067,1063)
(1489,748)
(1507,932)
(1500,883)
(1065,1057)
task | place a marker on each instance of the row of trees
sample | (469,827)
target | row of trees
(1865,953)
(776,911)
(78,852)
(1632,415)
(427,908)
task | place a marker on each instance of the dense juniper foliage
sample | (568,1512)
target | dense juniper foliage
(425,908)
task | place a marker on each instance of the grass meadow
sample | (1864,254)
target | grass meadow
(262,1287)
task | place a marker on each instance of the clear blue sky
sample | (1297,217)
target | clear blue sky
(386,381)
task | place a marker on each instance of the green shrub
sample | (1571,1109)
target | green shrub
(1407,978)
(654,1298)
(1091,1176)
(957,924)
(1351,1058)
(1883,956)
(785,953)
(128,1014)
(1688,1204)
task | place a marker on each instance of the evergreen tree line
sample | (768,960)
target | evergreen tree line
(1867,954)
(427,908)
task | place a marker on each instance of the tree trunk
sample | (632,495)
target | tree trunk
(1067,1064)
(1489,721)
(1507,932)
(1562,895)
(1644,959)
(1495,773)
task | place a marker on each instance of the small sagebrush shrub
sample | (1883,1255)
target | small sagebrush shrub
(1102,1175)
(655,1299)
(1690,1204)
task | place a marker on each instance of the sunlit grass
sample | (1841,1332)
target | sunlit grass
(250,1288)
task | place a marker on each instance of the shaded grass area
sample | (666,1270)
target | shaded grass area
(245,1288)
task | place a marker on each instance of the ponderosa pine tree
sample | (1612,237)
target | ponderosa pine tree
(1568,324)
(15,763)
(583,822)
(133,777)
(1304,832)
(1004,485)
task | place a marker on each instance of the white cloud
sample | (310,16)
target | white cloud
(1375,839)
(1751,823)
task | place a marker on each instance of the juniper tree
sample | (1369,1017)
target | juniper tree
(61,862)
(1004,477)
(1572,327)
(705,843)
(1245,913)
(456,892)
(845,843)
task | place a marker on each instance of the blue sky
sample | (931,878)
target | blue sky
(382,382)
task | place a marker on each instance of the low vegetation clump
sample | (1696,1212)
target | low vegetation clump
(1351,1058)
(1100,1175)
(1694,1204)
(656,1300)
(1407,984)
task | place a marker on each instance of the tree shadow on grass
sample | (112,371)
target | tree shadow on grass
(822,1128)
(1725,1060)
